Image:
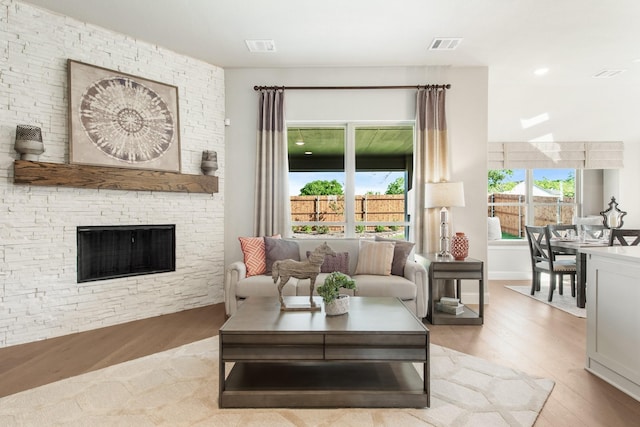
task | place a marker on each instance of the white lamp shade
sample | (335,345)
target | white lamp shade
(444,195)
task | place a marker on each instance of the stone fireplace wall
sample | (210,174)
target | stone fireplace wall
(39,296)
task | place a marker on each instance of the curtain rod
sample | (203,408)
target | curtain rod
(445,86)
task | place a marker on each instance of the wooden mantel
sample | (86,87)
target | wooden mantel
(83,176)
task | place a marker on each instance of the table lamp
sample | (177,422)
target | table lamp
(444,195)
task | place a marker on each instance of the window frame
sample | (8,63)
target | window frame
(350,224)
(529,205)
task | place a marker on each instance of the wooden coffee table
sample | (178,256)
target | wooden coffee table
(307,359)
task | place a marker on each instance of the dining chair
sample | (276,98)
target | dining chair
(624,237)
(544,260)
(563,231)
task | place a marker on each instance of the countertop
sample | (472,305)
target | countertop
(627,253)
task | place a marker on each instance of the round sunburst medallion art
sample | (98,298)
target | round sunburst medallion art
(126,120)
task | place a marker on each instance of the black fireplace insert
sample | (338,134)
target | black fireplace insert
(108,252)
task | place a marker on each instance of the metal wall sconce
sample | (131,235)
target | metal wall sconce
(612,217)
(29,142)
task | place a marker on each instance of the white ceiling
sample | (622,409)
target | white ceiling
(569,36)
(574,39)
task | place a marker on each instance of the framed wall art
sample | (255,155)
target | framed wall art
(120,120)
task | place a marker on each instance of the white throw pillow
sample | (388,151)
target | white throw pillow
(375,258)
(494,229)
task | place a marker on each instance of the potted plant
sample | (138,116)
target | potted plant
(334,302)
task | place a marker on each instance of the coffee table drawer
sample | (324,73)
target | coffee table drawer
(399,347)
(271,339)
(272,347)
(272,352)
(377,339)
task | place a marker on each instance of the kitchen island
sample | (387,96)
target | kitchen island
(613,317)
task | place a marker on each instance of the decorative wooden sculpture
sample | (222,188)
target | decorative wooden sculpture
(307,269)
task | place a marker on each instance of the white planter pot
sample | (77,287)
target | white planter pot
(338,306)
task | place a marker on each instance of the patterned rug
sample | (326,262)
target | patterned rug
(563,302)
(179,387)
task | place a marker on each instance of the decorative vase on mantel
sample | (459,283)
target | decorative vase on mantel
(29,142)
(209,164)
(459,246)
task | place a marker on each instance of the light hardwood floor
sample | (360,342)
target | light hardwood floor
(518,332)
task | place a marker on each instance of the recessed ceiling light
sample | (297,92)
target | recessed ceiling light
(308,153)
(445,43)
(541,71)
(299,142)
(606,74)
(261,46)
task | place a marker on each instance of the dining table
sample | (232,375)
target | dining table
(569,246)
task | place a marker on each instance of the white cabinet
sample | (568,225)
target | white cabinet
(613,317)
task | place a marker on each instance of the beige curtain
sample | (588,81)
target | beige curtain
(432,163)
(272,210)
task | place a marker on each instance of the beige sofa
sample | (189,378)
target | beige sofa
(411,288)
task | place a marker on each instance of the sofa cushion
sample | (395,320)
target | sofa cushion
(263,286)
(375,258)
(338,262)
(401,252)
(279,249)
(385,286)
(254,255)
(350,245)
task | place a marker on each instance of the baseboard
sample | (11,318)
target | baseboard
(509,275)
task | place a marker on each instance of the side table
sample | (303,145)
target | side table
(446,268)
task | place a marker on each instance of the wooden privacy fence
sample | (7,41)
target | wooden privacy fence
(547,210)
(378,208)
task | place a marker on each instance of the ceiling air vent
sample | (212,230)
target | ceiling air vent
(261,46)
(607,74)
(445,43)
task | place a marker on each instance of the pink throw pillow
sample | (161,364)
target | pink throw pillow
(255,257)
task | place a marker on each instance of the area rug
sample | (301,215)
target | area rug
(562,302)
(179,387)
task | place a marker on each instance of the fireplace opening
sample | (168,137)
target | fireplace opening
(107,252)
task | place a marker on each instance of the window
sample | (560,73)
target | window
(350,180)
(519,197)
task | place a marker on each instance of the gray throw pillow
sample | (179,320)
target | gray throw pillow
(279,249)
(339,262)
(401,252)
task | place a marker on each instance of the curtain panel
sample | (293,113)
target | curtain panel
(272,209)
(432,163)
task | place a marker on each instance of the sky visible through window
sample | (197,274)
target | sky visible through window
(376,182)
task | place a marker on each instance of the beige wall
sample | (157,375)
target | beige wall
(466,114)
(604,110)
